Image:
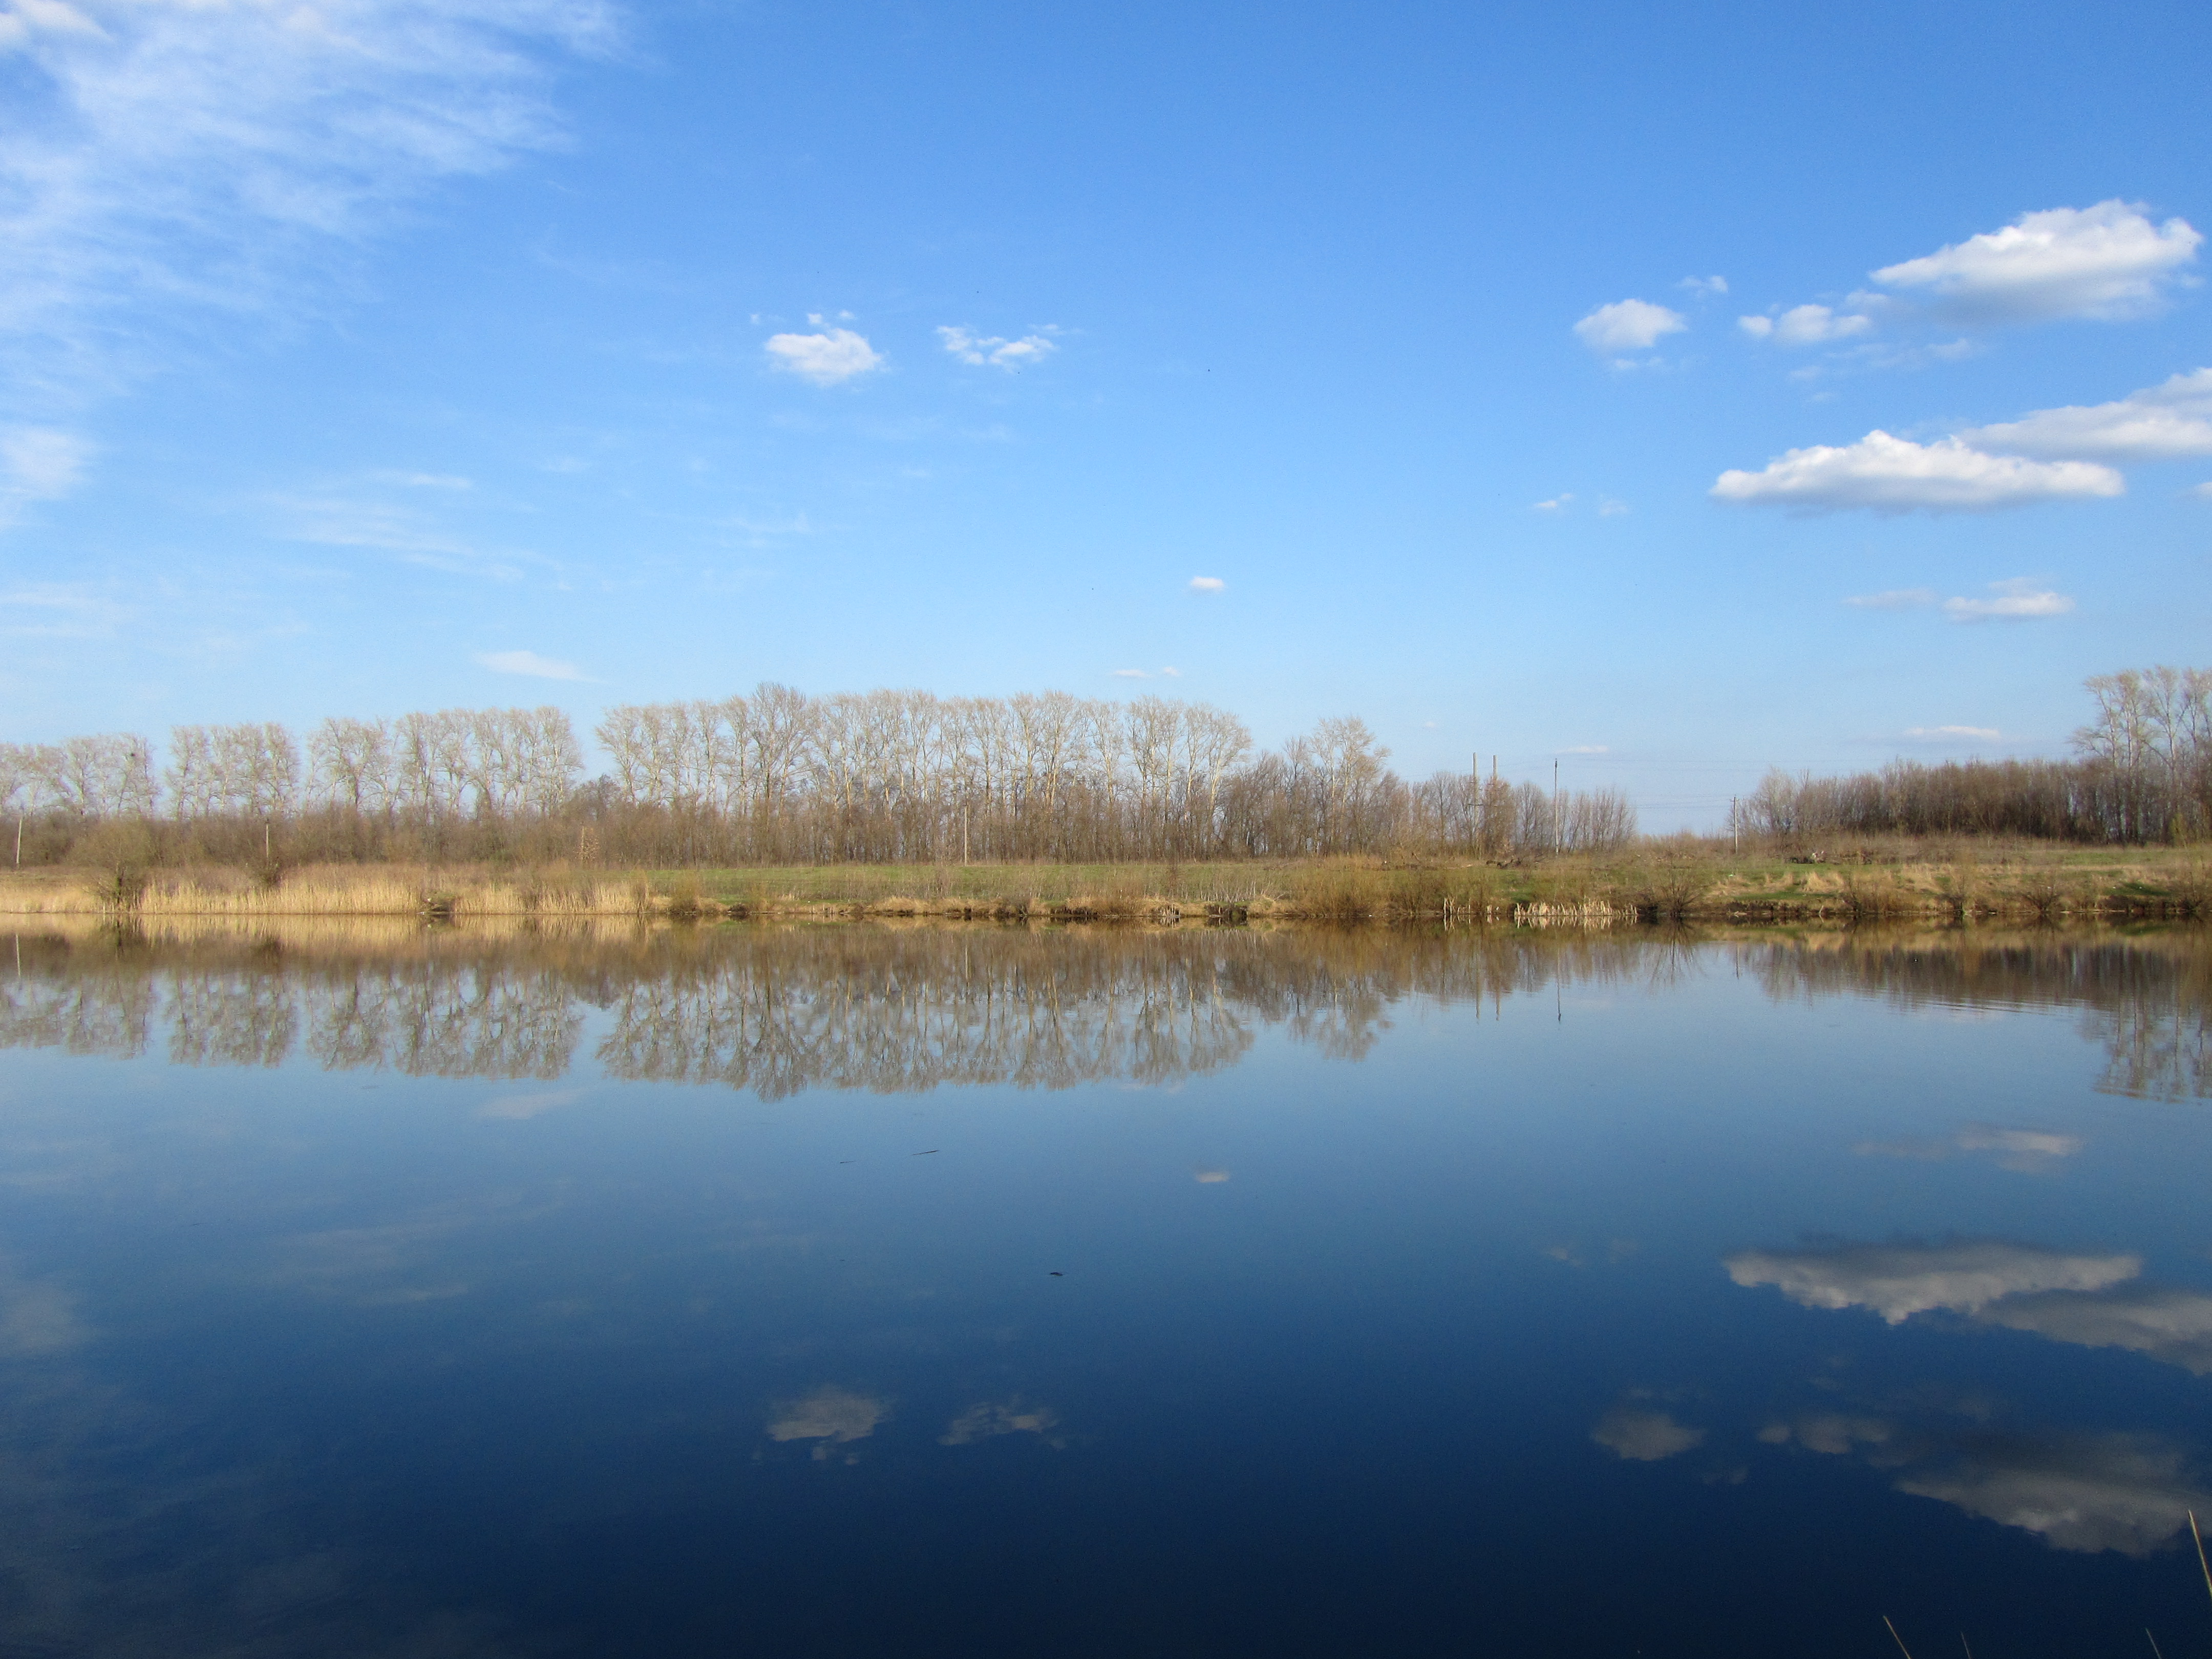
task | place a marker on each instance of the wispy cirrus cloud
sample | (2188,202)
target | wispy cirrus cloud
(2021,599)
(166,156)
(1893,599)
(529,663)
(38,464)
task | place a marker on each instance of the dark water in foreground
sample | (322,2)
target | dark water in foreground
(968,1292)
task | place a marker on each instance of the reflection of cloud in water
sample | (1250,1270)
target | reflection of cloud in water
(517,1108)
(830,1414)
(1899,1281)
(2112,1492)
(1644,1436)
(1831,1433)
(2025,1150)
(2166,1323)
(35,1317)
(1209,1177)
(984,1420)
(2030,1152)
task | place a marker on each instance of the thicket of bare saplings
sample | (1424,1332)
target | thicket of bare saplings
(2143,774)
(777,777)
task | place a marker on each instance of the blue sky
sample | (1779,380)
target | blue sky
(378,355)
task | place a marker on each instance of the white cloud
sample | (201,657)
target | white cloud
(1609,509)
(38,464)
(1207,584)
(833,1415)
(1705,287)
(530,663)
(1131,674)
(1587,749)
(1628,326)
(1209,1177)
(2018,600)
(2105,261)
(1806,325)
(998,352)
(1895,475)
(2160,423)
(1556,504)
(834,356)
(1644,1436)
(185,156)
(1894,599)
(1171,674)
(1899,1281)
(1952,734)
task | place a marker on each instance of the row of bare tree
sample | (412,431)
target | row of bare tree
(2141,772)
(778,776)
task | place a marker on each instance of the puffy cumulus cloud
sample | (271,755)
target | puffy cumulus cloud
(530,663)
(980,350)
(1628,326)
(830,1414)
(1895,475)
(2105,261)
(1208,585)
(2089,1494)
(1899,1281)
(2020,599)
(1558,503)
(1705,287)
(1644,1436)
(38,464)
(828,358)
(2166,1323)
(2162,423)
(985,1421)
(177,155)
(1806,325)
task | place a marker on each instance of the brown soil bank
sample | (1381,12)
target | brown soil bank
(1657,882)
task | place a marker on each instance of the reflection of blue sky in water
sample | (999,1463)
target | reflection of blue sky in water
(431,1300)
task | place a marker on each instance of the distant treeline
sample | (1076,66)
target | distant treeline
(777,777)
(2141,772)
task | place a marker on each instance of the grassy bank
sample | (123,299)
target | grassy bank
(1681,880)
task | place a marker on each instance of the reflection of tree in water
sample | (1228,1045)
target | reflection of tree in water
(2147,999)
(776,1010)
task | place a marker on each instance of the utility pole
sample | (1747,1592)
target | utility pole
(1735,826)
(1557,827)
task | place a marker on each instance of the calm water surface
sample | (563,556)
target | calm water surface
(976,1292)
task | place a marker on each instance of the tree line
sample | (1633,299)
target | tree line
(2141,773)
(778,776)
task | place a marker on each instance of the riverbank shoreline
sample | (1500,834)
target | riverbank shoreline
(1660,882)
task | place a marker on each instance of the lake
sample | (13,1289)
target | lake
(971,1290)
